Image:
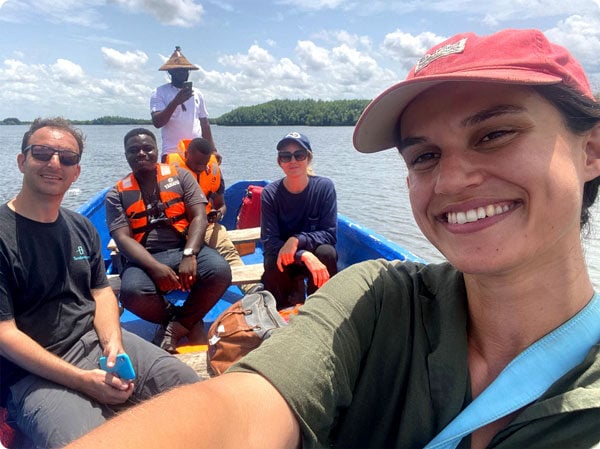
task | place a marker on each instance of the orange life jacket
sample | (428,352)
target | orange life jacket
(171,203)
(209,180)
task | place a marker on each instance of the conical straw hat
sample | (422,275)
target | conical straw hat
(178,61)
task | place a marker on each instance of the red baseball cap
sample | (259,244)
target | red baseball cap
(509,56)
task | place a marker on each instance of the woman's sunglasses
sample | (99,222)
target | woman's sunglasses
(286,156)
(44,153)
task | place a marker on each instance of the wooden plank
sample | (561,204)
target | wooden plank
(197,361)
(235,235)
(244,235)
(247,274)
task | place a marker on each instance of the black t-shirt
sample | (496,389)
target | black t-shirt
(47,272)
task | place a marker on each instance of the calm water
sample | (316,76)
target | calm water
(371,188)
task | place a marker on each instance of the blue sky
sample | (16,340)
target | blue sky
(88,58)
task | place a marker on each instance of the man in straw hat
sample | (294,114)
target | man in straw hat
(178,108)
(501,138)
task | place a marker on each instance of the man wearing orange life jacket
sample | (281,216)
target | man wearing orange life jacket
(173,209)
(156,215)
(197,157)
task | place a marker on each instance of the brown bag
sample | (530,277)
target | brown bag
(241,328)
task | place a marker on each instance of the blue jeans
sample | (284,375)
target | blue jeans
(52,415)
(139,293)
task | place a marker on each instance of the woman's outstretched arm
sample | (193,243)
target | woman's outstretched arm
(230,411)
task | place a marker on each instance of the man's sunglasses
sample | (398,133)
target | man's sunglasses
(44,153)
(135,149)
(286,156)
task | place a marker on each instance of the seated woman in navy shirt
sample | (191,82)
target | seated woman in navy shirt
(298,225)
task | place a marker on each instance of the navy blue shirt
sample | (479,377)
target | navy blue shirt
(310,215)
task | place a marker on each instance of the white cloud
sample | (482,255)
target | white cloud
(90,13)
(581,35)
(325,63)
(506,9)
(311,56)
(16,71)
(257,59)
(64,88)
(353,39)
(77,12)
(352,66)
(67,72)
(407,48)
(184,13)
(128,61)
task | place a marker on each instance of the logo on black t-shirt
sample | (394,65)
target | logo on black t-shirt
(80,254)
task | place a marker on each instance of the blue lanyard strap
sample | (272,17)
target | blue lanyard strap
(522,381)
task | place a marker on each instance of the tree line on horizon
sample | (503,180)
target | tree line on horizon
(272,113)
(296,112)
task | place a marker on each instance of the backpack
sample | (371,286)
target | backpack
(241,328)
(249,213)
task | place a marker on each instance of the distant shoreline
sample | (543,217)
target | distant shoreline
(271,113)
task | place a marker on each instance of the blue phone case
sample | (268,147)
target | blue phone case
(123,367)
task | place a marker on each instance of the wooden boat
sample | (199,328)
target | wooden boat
(355,243)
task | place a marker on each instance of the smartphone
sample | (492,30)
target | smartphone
(123,367)
(187,85)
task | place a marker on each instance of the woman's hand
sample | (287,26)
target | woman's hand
(287,253)
(318,271)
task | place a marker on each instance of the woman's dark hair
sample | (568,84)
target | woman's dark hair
(580,114)
(53,122)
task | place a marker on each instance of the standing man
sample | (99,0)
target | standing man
(178,108)
(58,314)
(199,160)
(156,215)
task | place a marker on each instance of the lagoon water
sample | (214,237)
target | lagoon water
(371,188)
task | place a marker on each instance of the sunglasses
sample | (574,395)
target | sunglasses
(44,153)
(286,156)
(135,149)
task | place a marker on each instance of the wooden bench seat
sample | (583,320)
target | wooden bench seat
(235,235)
(244,235)
(247,274)
(244,240)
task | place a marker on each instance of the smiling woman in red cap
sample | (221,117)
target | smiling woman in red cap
(496,348)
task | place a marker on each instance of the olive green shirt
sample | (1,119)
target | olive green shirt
(377,358)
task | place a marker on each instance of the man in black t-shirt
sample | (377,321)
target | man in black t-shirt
(58,314)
